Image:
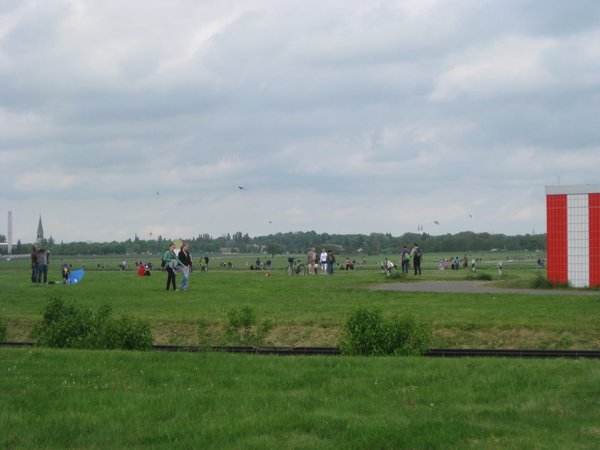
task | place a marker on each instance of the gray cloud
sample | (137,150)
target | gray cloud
(338,117)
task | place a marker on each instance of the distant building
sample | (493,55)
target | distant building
(573,235)
(40,233)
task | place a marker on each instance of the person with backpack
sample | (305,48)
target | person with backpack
(405,258)
(416,255)
(171,263)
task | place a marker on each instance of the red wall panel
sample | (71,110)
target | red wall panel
(556,218)
(594,207)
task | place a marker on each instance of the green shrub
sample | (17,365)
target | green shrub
(483,276)
(202,333)
(243,328)
(396,275)
(368,333)
(66,325)
(541,282)
(3,332)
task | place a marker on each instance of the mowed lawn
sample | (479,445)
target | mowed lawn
(311,310)
(100,399)
(114,399)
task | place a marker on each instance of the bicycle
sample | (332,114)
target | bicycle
(295,267)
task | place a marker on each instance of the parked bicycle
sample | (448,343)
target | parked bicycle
(295,267)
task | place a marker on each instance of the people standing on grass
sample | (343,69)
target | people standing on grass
(185,267)
(34,265)
(171,264)
(330,262)
(405,258)
(43,258)
(323,260)
(66,272)
(311,261)
(416,254)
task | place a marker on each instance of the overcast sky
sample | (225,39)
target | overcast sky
(122,117)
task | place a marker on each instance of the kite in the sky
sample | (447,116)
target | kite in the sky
(241,187)
(436,222)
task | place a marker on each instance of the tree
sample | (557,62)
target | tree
(274,249)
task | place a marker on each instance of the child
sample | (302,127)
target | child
(65,273)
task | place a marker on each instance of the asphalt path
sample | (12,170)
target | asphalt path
(473,287)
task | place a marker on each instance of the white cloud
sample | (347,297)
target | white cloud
(508,66)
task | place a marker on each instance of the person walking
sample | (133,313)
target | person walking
(171,263)
(185,267)
(416,255)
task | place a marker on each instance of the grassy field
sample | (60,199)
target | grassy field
(311,310)
(99,399)
(113,399)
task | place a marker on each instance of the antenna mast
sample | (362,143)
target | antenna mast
(10,234)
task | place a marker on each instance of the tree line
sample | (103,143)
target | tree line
(300,242)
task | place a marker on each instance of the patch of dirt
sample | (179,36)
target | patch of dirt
(473,287)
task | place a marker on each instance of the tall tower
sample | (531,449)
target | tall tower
(40,232)
(10,236)
(573,237)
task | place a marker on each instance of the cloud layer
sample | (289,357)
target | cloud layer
(123,118)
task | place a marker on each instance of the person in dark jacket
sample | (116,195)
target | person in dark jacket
(171,263)
(34,265)
(185,267)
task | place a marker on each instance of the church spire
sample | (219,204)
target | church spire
(40,232)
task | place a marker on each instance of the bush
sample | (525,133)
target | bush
(368,333)
(482,276)
(66,325)
(3,332)
(396,275)
(202,333)
(541,282)
(243,328)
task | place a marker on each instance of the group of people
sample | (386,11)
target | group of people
(143,270)
(410,257)
(40,258)
(178,262)
(325,260)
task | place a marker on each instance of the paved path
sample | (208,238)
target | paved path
(472,287)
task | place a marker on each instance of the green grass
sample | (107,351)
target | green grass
(311,310)
(100,399)
(113,399)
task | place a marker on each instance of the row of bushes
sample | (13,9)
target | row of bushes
(367,332)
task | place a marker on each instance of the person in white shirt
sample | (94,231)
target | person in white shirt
(323,260)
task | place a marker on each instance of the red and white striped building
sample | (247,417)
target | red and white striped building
(573,235)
